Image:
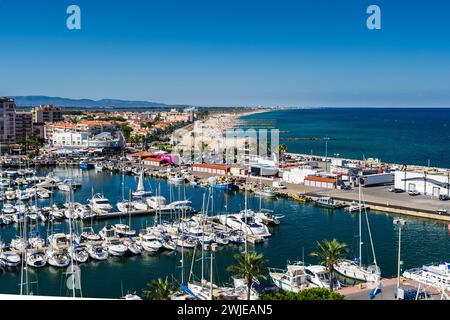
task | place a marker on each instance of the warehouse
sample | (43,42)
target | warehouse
(210,168)
(428,183)
(321,182)
(151,161)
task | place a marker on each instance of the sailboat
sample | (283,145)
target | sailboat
(354,269)
(140,190)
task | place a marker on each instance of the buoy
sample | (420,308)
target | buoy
(448,226)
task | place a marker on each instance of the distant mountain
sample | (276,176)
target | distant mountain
(27,101)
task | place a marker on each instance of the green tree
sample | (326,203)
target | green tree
(306,294)
(126,130)
(203,146)
(158,289)
(329,253)
(249,266)
(282,149)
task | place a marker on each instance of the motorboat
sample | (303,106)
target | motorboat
(100,204)
(108,232)
(127,206)
(265,192)
(435,275)
(220,238)
(124,231)
(19,243)
(35,241)
(184,206)
(79,253)
(36,259)
(97,252)
(156,202)
(58,242)
(89,235)
(176,179)
(116,248)
(293,279)
(245,221)
(184,242)
(150,242)
(329,203)
(356,207)
(58,258)
(133,246)
(9,258)
(267,217)
(319,277)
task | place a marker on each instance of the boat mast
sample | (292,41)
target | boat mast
(360,214)
(211,277)
(245,215)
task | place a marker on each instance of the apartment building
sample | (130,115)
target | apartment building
(7,120)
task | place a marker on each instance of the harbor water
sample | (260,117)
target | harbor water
(294,239)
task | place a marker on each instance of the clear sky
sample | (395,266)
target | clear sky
(233,52)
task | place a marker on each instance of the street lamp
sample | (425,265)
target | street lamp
(399,223)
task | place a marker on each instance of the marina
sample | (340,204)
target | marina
(302,223)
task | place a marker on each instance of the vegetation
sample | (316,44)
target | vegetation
(159,289)
(249,266)
(306,294)
(282,149)
(126,130)
(329,253)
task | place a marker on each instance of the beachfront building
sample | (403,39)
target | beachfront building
(7,120)
(432,183)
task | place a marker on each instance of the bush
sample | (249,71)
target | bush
(307,294)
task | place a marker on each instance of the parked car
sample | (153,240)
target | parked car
(444,197)
(414,193)
(441,211)
(395,190)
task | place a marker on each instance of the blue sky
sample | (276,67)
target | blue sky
(224,53)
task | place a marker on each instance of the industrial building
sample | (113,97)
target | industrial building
(432,183)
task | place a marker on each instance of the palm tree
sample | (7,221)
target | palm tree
(282,149)
(329,253)
(203,146)
(159,289)
(249,266)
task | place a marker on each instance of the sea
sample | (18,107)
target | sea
(413,136)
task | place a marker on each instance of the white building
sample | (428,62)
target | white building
(86,140)
(297,175)
(428,183)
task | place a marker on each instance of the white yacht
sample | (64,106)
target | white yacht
(116,248)
(79,253)
(156,202)
(293,279)
(436,275)
(184,206)
(58,258)
(100,204)
(355,207)
(130,206)
(97,252)
(108,232)
(36,259)
(176,179)
(9,258)
(123,231)
(88,234)
(245,221)
(149,241)
(267,217)
(133,246)
(318,276)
